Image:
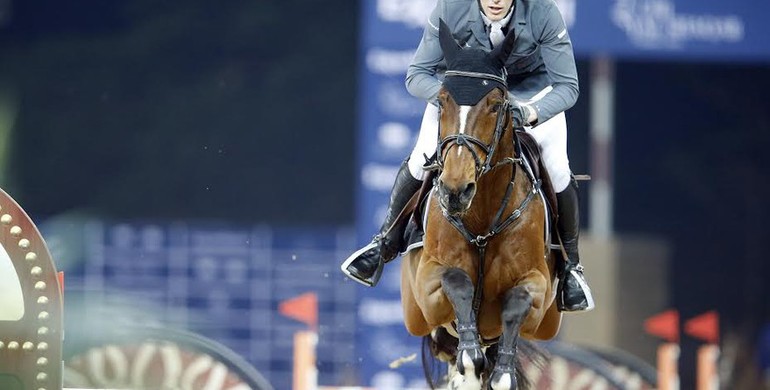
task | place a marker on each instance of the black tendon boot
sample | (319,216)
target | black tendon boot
(573,293)
(365,265)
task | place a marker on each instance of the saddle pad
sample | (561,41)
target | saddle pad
(531,152)
(413,235)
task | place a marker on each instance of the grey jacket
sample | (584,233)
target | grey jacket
(542,54)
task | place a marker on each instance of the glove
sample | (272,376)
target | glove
(519,115)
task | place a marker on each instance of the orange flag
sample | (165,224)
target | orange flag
(303,308)
(664,325)
(704,327)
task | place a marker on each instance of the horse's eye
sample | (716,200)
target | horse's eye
(495,107)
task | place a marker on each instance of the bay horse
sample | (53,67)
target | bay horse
(485,274)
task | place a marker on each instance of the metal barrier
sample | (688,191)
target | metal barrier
(122,356)
(141,357)
(30,305)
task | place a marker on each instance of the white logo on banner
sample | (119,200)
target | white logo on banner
(378,177)
(395,101)
(413,13)
(655,24)
(394,135)
(380,312)
(388,62)
(388,380)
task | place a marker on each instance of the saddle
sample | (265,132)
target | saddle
(530,151)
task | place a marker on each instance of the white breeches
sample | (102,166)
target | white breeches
(551,135)
(427,141)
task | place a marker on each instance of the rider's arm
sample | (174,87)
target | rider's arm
(559,60)
(421,80)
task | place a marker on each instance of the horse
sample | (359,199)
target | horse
(485,274)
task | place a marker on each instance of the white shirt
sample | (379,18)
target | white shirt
(496,28)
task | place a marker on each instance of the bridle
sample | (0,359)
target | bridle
(503,118)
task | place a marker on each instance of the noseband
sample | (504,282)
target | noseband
(503,116)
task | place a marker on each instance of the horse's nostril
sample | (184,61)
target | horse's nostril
(443,193)
(469,190)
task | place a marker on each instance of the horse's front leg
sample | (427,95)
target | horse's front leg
(471,360)
(516,305)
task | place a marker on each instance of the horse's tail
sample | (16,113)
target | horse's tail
(431,366)
(532,355)
(438,344)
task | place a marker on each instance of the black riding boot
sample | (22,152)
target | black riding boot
(365,265)
(573,292)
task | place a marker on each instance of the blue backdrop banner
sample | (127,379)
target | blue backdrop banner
(714,30)
(670,29)
(389,121)
(635,29)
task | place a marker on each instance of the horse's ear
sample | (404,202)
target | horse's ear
(449,46)
(504,49)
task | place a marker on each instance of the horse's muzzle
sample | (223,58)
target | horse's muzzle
(453,201)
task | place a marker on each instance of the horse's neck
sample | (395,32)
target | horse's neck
(490,195)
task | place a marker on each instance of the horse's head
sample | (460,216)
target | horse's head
(474,116)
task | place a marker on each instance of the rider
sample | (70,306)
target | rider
(543,83)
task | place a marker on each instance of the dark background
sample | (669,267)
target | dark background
(246,111)
(184,109)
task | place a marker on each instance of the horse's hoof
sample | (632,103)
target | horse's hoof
(503,380)
(470,365)
(471,361)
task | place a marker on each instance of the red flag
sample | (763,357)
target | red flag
(664,325)
(303,308)
(704,327)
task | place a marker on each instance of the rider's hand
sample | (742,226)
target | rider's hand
(521,114)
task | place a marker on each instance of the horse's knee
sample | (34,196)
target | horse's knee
(518,301)
(455,277)
(536,285)
(457,284)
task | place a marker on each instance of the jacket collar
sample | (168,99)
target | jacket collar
(504,22)
(478,28)
(476,25)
